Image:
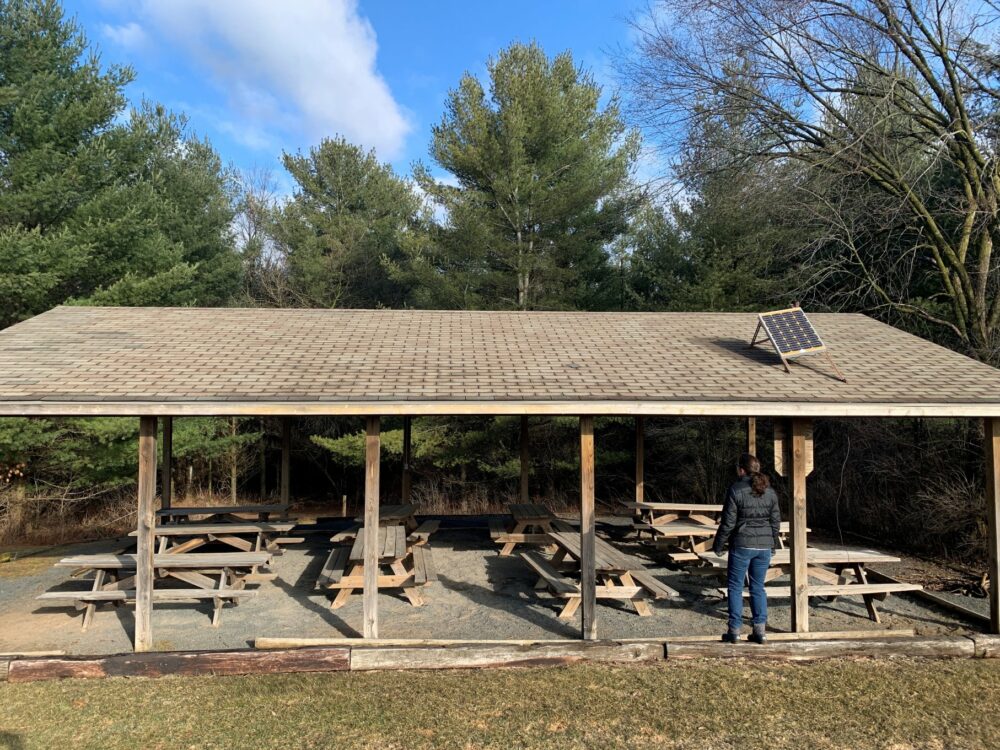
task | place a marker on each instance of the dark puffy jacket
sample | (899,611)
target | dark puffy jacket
(748,520)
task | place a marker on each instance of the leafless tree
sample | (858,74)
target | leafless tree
(897,96)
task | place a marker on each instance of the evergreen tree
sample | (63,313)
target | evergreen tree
(542,176)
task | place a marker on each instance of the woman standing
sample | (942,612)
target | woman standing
(750,524)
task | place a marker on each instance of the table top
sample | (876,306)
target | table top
(227,529)
(220,509)
(607,557)
(195,560)
(678,507)
(530,511)
(392,514)
(391,544)
(814,556)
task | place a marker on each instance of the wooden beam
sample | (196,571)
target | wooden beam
(167,475)
(525,460)
(286,459)
(145,534)
(992,435)
(588,573)
(234,456)
(752,436)
(696,408)
(799,535)
(407,458)
(640,459)
(372,450)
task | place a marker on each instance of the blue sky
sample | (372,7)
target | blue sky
(261,76)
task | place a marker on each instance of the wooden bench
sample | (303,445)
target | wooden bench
(422,534)
(653,585)
(333,568)
(88,600)
(549,576)
(847,589)
(423,565)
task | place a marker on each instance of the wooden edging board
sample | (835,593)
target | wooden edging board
(389,654)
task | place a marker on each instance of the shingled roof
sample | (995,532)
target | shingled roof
(194,361)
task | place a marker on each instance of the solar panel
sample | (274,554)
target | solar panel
(792,335)
(791,332)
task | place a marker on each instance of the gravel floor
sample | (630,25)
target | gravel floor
(479,595)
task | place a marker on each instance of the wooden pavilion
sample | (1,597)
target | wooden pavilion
(160,363)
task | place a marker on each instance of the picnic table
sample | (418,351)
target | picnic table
(695,537)
(619,576)
(222,513)
(114,578)
(841,572)
(531,524)
(245,536)
(408,561)
(656,514)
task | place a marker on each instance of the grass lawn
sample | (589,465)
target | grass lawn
(703,705)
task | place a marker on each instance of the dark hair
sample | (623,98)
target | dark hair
(759,482)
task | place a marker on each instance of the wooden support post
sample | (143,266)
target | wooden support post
(286,458)
(525,461)
(263,460)
(146,537)
(372,448)
(798,536)
(752,436)
(167,475)
(640,459)
(992,435)
(588,574)
(407,457)
(234,456)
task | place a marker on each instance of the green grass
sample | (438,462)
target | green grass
(703,705)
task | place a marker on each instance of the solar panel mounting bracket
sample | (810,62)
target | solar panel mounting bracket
(788,329)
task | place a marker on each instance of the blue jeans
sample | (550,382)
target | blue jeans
(742,561)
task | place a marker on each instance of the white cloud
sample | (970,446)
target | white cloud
(130,35)
(305,68)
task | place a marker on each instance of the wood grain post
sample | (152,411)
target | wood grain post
(752,436)
(640,459)
(407,458)
(167,475)
(372,450)
(525,461)
(286,459)
(798,535)
(588,574)
(144,530)
(992,439)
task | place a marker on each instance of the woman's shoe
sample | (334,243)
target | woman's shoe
(730,637)
(758,635)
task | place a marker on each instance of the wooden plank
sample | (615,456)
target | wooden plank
(498,655)
(191,560)
(846,589)
(588,572)
(370,597)
(407,481)
(992,442)
(272,509)
(143,640)
(640,459)
(159,595)
(525,462)
(680,507)
(938,599)
(244,661)
(167,478)
(752,436)
(286,460)
(560,585)
(809,650)
(798,538)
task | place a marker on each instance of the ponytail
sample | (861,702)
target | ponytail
(759,482)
